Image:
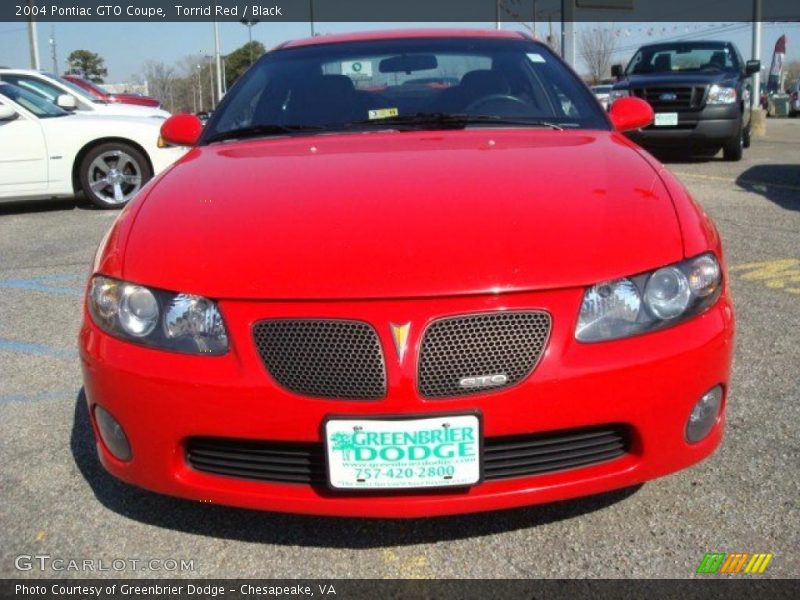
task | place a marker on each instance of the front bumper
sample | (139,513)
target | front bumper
(648,383)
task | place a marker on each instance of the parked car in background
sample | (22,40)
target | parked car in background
(794,98)
(47,152)
(700,92)
(70,97)
(98,92)
(348,299)
(601,92)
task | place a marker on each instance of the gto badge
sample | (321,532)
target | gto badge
(484,381)
(668,97)
(400,337)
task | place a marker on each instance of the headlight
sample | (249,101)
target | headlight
(654,300)
(719,94)
(614,94)
(157,318)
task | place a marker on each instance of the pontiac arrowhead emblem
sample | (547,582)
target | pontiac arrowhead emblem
(400,336)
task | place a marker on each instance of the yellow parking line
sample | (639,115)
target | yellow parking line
(780,186)
(781,274)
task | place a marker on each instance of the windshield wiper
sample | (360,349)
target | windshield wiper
(259,130)
(452,120)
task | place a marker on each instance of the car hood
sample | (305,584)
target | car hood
(398,215)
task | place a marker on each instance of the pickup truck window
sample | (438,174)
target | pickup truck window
(683,57)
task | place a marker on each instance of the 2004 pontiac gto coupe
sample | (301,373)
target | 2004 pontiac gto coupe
(403,274)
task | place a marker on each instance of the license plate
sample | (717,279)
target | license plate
(666,119)
(375,454)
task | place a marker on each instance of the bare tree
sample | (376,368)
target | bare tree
(596,47)
(160,80)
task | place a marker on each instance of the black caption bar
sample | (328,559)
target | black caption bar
(466,11)
(340,589)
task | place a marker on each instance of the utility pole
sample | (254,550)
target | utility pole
(756,95)
(311,16)
(533,24)
(33,38)
(211,81)
(497,11)
(53,53)
(218,60)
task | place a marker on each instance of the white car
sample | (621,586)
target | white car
(47,152)
(602,93)
(70,97)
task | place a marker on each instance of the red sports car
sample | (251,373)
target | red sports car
(101,94)
(351,299)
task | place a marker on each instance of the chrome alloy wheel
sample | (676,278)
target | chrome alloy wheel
(115,177)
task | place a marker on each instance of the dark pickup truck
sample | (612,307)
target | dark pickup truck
(700,92)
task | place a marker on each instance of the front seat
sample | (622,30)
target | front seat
(717,60)
(663,63)
(474,85)
(322,100)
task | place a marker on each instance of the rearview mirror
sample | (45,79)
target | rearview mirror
(7,113)
(181,130)
(752,66)
(66,101)
(407,64)
(616,71)
(630,113)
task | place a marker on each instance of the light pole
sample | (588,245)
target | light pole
(218,60)
(311,16)
(250,23)
(33,39)
(200,87)
(756,99)
(53,54)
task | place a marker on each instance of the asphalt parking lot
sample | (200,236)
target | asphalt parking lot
(58,501)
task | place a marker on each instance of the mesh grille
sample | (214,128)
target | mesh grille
(456,348)
(323,358)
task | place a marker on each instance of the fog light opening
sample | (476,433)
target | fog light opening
(112,434)
(704,415)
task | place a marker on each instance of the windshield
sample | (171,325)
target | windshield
(413,83)
(672,58)
(32,102)
(81,93)
(88,85)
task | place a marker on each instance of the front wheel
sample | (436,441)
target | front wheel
(111,174)
(734,148)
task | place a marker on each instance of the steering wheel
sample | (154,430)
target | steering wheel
(497,98)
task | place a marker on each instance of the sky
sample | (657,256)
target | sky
(127,46)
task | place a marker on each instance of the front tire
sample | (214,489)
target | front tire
(112,173)
(734,149)
(747,135)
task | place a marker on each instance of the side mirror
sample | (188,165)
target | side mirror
(181,130)
(616,71)
(66,101)
(752,66)
(630,113)
(7,113)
